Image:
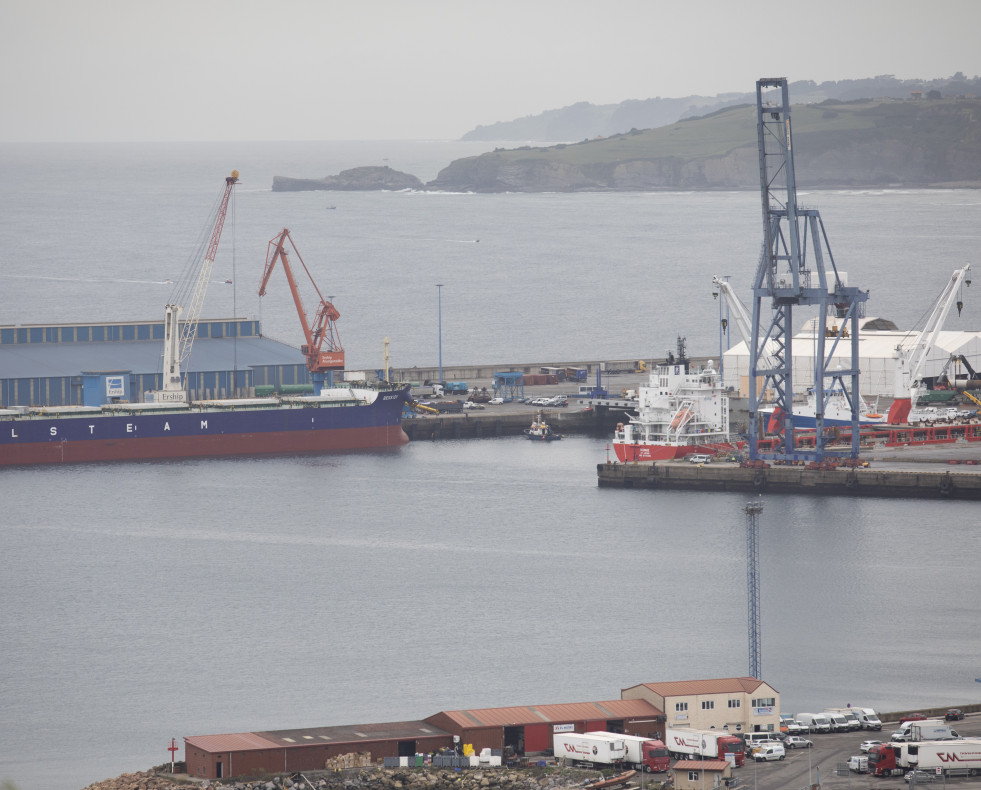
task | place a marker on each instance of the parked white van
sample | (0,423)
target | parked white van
(868,719)
(752,738)
(837,721)
(772,751)
(859,764)
(814,722)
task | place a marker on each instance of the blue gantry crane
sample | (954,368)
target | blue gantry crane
(787,277)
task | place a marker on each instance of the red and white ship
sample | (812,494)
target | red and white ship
(679,412)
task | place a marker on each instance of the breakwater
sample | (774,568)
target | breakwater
(791,480)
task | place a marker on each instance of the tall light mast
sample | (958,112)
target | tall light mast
(179,337)
(786,279)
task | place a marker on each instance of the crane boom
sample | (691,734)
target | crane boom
(910,359)
(179,337)
(321,331)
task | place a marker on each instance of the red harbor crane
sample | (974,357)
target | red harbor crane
(322,346)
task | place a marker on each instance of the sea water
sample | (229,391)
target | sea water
(148,601)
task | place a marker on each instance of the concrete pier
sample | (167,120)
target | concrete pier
(792,480)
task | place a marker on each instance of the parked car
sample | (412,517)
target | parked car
(496,401)
(796,742)
(699,458)
(867,746)
(912,717)
(471,405)
(772,751)
(921,777)
(954,714)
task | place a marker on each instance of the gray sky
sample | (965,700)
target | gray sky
(429,69)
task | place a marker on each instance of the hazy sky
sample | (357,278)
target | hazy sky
(429,69)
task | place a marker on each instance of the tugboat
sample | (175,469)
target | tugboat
(540,431)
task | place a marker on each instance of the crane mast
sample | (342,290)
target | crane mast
(786,280)
(321,331)
(179,337)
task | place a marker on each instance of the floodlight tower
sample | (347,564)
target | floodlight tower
(785,278)
(753,510)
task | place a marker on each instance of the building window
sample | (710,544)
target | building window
(764,702)
(681,706)
(693,776)
(734,703)
(708,704)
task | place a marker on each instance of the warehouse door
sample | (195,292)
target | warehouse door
(515,738)
(407,748)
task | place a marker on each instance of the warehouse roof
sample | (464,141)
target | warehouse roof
(345,734)
(686,688)
(538,714)
(43,360)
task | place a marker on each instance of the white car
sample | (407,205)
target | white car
(796,742)
(495,401)
(867,746)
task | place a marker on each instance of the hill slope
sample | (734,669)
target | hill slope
(836,144)
(584,121)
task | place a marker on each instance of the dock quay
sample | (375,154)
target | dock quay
(731,477)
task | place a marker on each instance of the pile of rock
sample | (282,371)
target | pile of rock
(374,778)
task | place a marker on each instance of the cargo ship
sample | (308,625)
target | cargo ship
(354,416)
(339,418)
(679,412)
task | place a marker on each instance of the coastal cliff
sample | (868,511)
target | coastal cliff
(357,178)
(837,145)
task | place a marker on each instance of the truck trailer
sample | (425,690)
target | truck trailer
(706,744)
(589,750)
(929,730)
(643,754)
(951,757)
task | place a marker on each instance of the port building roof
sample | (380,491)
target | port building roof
(49,359)
(685,688)
(348,734)
(538,714)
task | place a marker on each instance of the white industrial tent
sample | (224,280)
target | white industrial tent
(877,349)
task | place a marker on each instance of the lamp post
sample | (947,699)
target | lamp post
(439,326)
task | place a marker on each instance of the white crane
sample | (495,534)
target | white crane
(178,337)
(910,357)
(739,313)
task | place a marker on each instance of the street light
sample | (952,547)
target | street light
(439,325)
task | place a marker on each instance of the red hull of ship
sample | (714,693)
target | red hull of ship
(640,453)
(265,443)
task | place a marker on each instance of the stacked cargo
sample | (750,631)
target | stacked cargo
(351,760)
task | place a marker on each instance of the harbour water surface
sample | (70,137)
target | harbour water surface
(147,601)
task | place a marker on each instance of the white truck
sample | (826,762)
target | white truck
(951,757)
(705,744)
(643,754)
(928,730)
(851,717)
(589,750)
(814,722)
